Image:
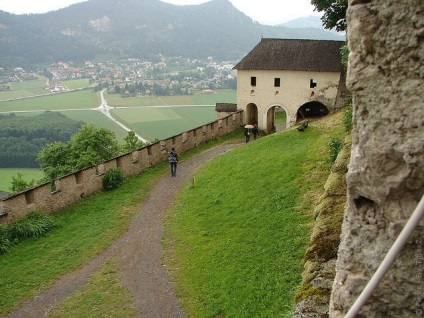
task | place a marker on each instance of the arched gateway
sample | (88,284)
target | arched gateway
(298,77)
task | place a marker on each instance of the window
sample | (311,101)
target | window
(313,83)
(253,81)
(277,82)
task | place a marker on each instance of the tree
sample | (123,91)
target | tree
(89,146)
(132,142)
(19,184)
(334,13)
(334,17)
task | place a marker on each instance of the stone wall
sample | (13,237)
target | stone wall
(55,195)
(385,180)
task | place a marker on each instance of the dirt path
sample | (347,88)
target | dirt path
(138,251)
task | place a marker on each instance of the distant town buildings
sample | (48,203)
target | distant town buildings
(167,76)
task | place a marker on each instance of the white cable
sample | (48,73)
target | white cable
(389,259)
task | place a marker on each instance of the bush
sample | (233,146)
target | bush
(335,145)
(33,226)
(113,178)
(4,240)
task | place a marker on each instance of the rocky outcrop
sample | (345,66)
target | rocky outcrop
(386,174)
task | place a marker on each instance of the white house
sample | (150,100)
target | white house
(300,76)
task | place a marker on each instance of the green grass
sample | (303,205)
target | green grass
(280,118)
(235,242)
(25,89)
(74,84)
(103,296)
(221,96)
(99,120)
(71,100)
(161,123)
(82,231)
(6,175)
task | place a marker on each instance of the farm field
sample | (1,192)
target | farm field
(74,84)
(71,100)
(151,123)
(171,116)
(25,89)
(99,120)
(220,96)
(6,175)
(162,122)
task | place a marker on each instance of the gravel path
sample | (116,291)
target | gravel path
(138,251)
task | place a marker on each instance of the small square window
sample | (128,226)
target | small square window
(312,83)
(277,82)
(253,81)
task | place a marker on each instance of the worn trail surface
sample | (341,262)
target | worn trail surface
(138,251)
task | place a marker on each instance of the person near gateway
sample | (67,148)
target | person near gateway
(173,161)
(255,131)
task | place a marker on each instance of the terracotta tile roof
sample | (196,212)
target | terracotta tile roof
(293,55)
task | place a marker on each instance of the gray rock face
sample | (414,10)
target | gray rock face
(386,173)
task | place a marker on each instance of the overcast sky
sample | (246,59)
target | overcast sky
(264,11)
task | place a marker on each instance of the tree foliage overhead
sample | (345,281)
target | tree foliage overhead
(334,16)
(22,137)
(89,146)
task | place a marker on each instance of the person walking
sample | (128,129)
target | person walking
(255,131)
(247,134)
(173,160)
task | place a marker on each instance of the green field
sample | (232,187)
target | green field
(163,122)
(74,84)
(150,122)
(25,89)
(99,120)
(221,96)
(71,100)
(6,175)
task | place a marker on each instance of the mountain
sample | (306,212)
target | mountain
(134,28)
(304,22)
(308,22)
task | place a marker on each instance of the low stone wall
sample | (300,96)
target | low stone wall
(62,192)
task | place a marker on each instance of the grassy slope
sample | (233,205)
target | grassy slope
(237,239)
(239,252)
(83,230)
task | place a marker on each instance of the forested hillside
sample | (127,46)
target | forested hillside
(22,137)
(136,29)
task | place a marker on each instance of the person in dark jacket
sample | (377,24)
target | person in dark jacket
(255,131)
(173,160)
(247,134)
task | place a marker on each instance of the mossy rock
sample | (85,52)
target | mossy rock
(336,185)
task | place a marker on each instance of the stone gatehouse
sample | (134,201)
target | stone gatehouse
(302,77)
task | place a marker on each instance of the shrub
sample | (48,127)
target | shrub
(33,226)
(113,178)
(335,145)
(4,240)
(19,184)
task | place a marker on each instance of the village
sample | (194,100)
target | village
(166,76)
